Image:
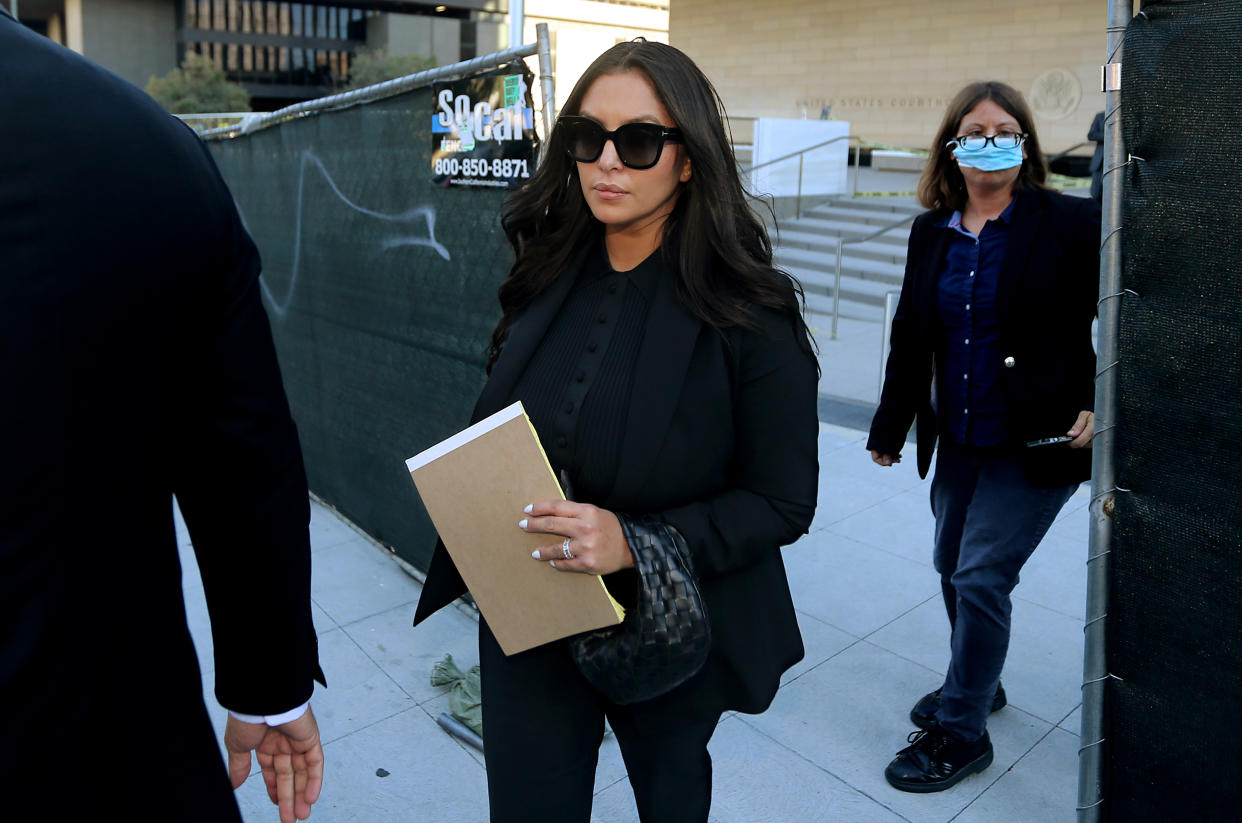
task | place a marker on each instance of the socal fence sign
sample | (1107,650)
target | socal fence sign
(483,130)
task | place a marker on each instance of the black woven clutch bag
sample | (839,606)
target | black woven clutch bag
(665,638)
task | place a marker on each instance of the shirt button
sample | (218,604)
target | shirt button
(603,318)
(612,289)
(1009,362)
(965,411)
(972,274)
(967,341)
(582,376)
(965,376)
(592,347)
(967,307)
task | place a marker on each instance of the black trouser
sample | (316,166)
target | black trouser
(542,727)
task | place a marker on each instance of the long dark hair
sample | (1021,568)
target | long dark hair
(712,239)
(942,185)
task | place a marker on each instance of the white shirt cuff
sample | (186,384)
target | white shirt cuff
(272,719)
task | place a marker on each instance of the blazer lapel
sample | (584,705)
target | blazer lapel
(659,376)
(524,337)
(927,283)
(1024,227)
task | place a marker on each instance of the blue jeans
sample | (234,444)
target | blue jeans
(989,519)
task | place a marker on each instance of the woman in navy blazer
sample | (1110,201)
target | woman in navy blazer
(666,366)
(991,354)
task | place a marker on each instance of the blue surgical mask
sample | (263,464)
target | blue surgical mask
(989,158)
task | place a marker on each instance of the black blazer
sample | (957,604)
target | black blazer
(136,362)
(721,441)
(1046,297)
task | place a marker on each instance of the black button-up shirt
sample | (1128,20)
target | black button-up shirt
(576,387)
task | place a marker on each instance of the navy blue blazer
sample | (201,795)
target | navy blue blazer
(721,441)
(1046,300)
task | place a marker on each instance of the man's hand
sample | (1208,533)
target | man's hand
(289,755)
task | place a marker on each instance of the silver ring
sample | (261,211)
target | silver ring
(565,550)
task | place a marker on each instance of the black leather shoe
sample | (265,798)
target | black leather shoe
(937,759)
(923,714)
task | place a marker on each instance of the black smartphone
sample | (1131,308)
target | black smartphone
(1049,441)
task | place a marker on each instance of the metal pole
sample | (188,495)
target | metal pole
(1103,470)
(857,169)
(836,289)
(517,22)
(890,308)
(800,156)
(547,81)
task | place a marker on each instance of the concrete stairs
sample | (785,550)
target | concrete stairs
(807,249)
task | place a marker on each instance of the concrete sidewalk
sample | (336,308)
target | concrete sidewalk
(876,638)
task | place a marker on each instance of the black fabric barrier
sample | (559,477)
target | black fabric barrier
(1174,625)
(381,288)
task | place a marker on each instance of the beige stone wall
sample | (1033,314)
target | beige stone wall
(890,66)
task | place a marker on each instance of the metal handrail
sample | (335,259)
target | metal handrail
(800,154)
(841,244)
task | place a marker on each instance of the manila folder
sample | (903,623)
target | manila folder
(475,485)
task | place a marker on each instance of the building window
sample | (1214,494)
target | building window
(277,49)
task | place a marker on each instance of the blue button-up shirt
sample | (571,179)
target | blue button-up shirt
(971,401)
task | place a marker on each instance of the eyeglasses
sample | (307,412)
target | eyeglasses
(977,142)
(638,145)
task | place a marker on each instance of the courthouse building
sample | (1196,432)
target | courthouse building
(889,67)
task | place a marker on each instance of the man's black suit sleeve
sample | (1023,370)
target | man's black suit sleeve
(772,497)
(241,484)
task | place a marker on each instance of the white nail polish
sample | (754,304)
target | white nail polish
(529,508)
(535,554)
(522,523)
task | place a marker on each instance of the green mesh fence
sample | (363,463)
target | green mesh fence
(380,282)
(1173,627)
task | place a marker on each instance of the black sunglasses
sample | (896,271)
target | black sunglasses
(638,145)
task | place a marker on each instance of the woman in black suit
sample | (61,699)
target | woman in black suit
(668,371)
(991,352)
